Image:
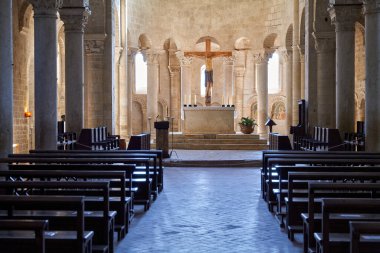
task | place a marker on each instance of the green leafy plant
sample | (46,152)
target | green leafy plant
(247,121)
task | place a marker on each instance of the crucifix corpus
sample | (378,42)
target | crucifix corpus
(208,55)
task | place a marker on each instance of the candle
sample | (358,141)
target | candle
(228,100)
(195,99)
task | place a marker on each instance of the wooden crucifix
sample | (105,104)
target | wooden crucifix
(208,55)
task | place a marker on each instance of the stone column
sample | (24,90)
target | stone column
(296,62)
(185,77)
(130,82)
(228,66)
(325,46)
(287,56)
(262,92)
(74,14)
(302,70)
(249,83)
(153,82)
(45,67)
(372,46)
(175,96)
(238,95)
(6,79)
(125,102)
(344,18)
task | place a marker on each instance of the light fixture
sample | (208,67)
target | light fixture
(27,114)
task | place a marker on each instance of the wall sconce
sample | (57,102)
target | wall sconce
(27,114)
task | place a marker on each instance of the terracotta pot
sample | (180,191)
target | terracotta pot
(246,129)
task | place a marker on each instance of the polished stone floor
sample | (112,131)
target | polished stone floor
(208,210)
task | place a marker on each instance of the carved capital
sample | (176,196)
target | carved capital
(74,19)
(46,7)
(371,6)
(229,60)
(174,70)
(185,61)
(325,45)
(94,46)
(345,16)
(286,55)
(261,58)
(152,57)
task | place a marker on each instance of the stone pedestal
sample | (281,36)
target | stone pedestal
(6,79)
(162,137)
(45,66)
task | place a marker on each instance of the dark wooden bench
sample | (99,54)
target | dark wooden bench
(141,197)
(317,190)
(23,236)
(281,190)
(63,236)
(159,154)
(337,160)
(119,199)
(364,236)
(336,215)
(98,217)
(97,138)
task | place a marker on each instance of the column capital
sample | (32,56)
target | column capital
(324,41)
(371,6)
(46,7)
(174,70)
(94,44)
(185,61)
(229,60)
(74,19)
(344,16)
(286,54)
(132,51)
(152,56)
(261,57)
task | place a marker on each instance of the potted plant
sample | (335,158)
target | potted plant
(247,125)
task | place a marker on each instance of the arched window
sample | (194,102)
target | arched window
(141,74)
(203,87)
(273,74)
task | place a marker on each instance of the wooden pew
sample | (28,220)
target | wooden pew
(68,237)
(119,201)
(336,239)
(271,154)
(23,236)
(337,160)
(98,217)
(281,191)
(140,173)
(141,197)
(317,190)
(364,236)
(158,153)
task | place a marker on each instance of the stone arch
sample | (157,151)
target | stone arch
(242,43)
(138,116)
(269,42)
(144,42)
(170,44)
(162,108)
(289,37)
(200,45)
(25,16)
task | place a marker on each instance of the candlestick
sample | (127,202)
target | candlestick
(228,100)
(195,99)
(223,100)
(189,99)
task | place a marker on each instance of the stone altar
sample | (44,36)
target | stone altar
(209,120)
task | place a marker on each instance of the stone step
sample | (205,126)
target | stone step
(221,141)
(194,146)
(215,136)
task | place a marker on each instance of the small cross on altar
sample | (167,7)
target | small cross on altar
(208,55)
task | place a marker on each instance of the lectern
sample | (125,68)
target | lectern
(162,137)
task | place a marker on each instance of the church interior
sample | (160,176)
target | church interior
(102,97)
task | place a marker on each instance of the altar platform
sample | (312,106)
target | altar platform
(236,141)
